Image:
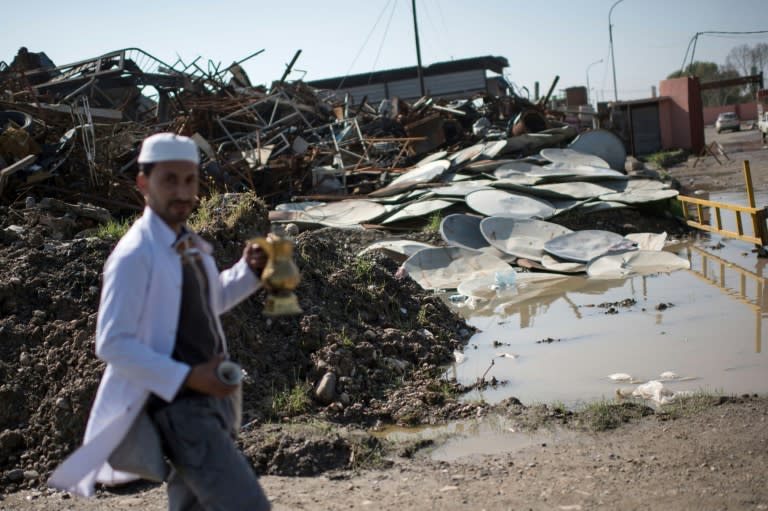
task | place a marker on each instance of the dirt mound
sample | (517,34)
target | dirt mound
(369,348)
(372,332)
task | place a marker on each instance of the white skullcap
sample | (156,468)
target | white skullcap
(168,147)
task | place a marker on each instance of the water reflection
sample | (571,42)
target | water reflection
(532,299)
(746,286)
(705,324)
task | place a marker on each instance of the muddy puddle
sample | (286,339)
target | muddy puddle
(560,341)
(491,435)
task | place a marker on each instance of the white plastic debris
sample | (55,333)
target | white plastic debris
(619,377)
(504,279)
(654,391)
(459,357)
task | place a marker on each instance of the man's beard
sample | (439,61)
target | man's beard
(179,216)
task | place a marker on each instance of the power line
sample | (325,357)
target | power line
(716,33)
(432,24)
(383,39)
(365,43)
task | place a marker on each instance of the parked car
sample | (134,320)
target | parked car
(727,121)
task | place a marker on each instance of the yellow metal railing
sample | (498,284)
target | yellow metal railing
(757,216)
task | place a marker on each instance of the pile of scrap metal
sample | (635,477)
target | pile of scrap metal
(72,132)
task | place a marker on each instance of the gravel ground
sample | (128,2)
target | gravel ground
(715,459)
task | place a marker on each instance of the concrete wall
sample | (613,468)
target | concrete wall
(665,124)
(686,118)
(745,111)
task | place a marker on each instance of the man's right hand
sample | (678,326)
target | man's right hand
(202,378)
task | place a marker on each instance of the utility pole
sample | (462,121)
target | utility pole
(610,41)
(589,66)
(418,48)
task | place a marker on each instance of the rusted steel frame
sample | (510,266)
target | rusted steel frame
(289,67)
(251,109)
(244,124)
(277,101)
(78,91)
(95,199)
(406,142)
(244,108)
(288,101)
(256,136)
(15,167)
(229,135)
(280,135)
(186,66)
(249,57)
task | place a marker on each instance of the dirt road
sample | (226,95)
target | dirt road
(713,460)
(723,171)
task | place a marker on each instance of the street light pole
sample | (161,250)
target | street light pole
(589,66)
(610,41)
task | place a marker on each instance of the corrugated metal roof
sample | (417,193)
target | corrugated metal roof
(491,63)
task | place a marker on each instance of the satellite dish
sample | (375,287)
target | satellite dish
(583,246)
(571,157)
(346,213)
(643,262)
(523,238)
(501,203)
(463,231)
(447,267)
(604,144)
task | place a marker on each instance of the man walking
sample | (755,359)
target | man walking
(159,332)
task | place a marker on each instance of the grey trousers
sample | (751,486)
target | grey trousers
(209,471)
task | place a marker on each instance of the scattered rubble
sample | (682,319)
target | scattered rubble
(371,345)
(72,131)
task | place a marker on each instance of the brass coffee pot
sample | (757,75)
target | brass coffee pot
(280,276)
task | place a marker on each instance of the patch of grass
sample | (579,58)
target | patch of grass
(536,416)
(238,212)
(364,269)
(368,451)
(204,215)
(434,222)
(559,406)
(346,339)
(114,229)
(666,159)
(421,316)
(293,401)
(603,415)
(692,405)
(445,388)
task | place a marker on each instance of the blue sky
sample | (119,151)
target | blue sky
(540,39)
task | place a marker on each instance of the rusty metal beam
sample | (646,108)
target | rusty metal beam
(730,82)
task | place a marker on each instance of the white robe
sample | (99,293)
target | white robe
(135,335)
